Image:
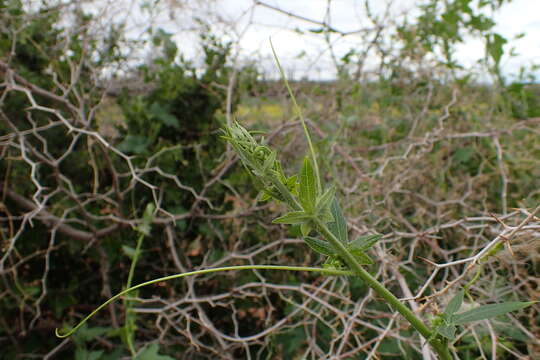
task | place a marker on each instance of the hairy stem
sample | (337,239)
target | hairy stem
(379,288)
(289,198)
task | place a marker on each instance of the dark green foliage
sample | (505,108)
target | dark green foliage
(178,117)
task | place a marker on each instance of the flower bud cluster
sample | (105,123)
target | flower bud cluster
(261,161)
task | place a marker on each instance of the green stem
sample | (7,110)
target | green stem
(129,322)
(379,288)
(289,198)
(299,113)
(201,272)
(134,260)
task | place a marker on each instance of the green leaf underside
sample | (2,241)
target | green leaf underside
(339,226)
(361,257)
(365,242)
(320,246)
(489,311)
(269,162)
(293,217)
(324,201)
(454,304)
(308,186)
(128,251)
(448,331)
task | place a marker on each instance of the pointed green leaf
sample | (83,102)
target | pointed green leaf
(489,311)
(305,228)
(269,162)
(454,304)
(128,251)
(308,186)
(361,257)
(291,181)
(339,226)
(279,171)
(294,217)
(265,196)
(292,184)
(326,216)
(448,331)
(320,246)
(365,242)
(324,201)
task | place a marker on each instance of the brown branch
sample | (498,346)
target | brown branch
(51,220)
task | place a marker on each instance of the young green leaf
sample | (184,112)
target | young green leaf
(320,246)
(324,201)
(279,172)
(305,228)
(339,226)
(292,185)
(448,331)
(148,217)
(293,217)
(269,161)
(489,311)
(326,216)
(291,182)
(265,196)
(453,305)
(333,262)
(308,186)
(365,242)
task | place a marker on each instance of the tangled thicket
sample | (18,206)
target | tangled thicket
(438,164)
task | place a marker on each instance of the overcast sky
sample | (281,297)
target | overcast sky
(308,55)
(520,16)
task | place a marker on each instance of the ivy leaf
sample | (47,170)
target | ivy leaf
(339,226)
(308,186)
(495,46)
(135,144)
(365,242)
(293,217)
(320,246)
(489,311)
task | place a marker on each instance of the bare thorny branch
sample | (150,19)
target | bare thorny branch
(453,244)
